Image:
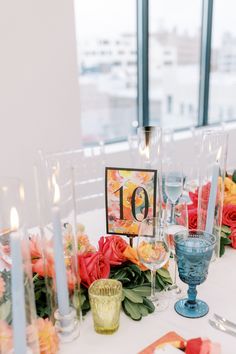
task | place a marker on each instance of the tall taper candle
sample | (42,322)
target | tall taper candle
(61,278)
(212,198)
(17,287)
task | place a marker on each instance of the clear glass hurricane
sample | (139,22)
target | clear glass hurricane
(194,251)
(153,252)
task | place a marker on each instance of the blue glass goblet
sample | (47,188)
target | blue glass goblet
(193,252)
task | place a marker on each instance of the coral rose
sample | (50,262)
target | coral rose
(192,219)
(43,268)
(229,215)
(93,266)
(233,238)
(112,247)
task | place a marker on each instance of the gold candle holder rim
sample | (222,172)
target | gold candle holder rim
(99,287)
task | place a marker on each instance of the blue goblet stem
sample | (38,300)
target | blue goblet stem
(192,294)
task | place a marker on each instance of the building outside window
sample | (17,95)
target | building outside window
(107,65)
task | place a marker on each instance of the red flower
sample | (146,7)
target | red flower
(229,215)
(233,238)
(194,198)
(43,268)
(93,266)
(192,219)
(205,193)
(112,247)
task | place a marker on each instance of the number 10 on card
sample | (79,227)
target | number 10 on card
(130,198)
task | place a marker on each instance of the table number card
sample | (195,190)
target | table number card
(130,198)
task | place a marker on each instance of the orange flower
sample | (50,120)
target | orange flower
(35,247)
(131,254)
(84,246)
(144,177)
(5,337)
(2,287)
(48,338)
(230,191)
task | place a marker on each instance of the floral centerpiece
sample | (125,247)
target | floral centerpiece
(114,258)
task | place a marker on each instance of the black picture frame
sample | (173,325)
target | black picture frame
(106,195)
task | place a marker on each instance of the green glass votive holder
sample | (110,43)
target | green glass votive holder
(105,300)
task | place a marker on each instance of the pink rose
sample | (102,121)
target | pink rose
(229,215)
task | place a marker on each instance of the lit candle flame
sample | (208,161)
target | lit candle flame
(14,219)
(219,154)
(56,193)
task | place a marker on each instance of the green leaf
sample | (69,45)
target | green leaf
(132,310)
(164,273)
(226,241)
(142,290)
(136,269)
(148,275)
(143,310)
(132,296)
(234,176)
(226,230)
(160,281)
(149,305)
(5,310)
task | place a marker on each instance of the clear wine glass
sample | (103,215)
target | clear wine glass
(170,229)
(173,184)
(153,252)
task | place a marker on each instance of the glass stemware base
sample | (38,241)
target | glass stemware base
(175,292)
(160,300)
(184,308)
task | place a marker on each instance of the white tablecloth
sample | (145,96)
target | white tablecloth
(219,291)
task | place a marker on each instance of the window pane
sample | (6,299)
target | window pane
(174,62)
(222,103)
(107,59)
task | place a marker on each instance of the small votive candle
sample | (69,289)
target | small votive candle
(105,300)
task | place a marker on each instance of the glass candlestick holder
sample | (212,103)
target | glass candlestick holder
(212,169)
(59,241)
(150,154)
(18,324)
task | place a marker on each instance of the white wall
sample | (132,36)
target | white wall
(39,101)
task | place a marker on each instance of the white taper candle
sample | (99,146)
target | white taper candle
(60,269)
(213,194)
(17,287)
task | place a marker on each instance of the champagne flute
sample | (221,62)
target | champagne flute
(170,229)
(153,252)
(173,184)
